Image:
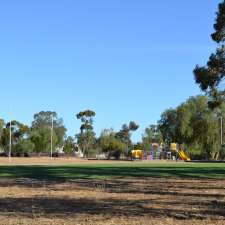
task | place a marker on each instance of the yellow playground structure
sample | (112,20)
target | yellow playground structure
(137,154)
(176,150)
(182,154)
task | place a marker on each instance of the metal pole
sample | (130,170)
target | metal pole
(10,140)
(52,136)
(221,130)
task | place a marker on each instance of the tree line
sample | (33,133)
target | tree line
(196,126)
(37,137)
(194,123)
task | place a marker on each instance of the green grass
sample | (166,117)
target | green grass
(116,170)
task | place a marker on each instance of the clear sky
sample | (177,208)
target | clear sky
(125,59)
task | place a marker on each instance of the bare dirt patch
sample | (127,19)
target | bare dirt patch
(112,201)
(41,161)
(61,161)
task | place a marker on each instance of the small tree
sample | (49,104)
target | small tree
(2,125)
(40,131)
(111,145)
(20,137)
(68,145)
(86,137)
(125,133)
(168,126)
(152,135)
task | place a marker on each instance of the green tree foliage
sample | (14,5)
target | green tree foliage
(86,137)
(41,131)
(199,126)
(5,138)
(168,126)
(195,125)
(212,75)
(133,126)
(139,146)
(124,135)
(41,138)
(2,124)
(68,145)
(219,26)
(111,145)
(24,146)
(20,137)
(152,135)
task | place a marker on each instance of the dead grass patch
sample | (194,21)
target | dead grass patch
(118,201)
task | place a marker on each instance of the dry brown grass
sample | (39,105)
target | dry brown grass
(59,161)
(41,161)
(148,201)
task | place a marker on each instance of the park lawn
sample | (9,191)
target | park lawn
(111,193)
(116,170)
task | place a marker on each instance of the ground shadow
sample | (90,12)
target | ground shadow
(81,172)
(59,208)
(195,197)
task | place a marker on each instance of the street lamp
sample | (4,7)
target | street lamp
(221,130)
(52,129)
(10,140)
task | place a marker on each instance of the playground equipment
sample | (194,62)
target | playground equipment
(174,147)
(155,151)
(160,151)
(137,154)
(183,155)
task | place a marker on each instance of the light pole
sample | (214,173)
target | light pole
(52,136)
(221,130)
(10,140)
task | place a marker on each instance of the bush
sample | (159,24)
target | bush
(26,154)
(116,154)
(3,154)
(55,155)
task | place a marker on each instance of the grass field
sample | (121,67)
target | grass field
(115,170)
(67,191)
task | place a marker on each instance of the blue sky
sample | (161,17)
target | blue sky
(127,60)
